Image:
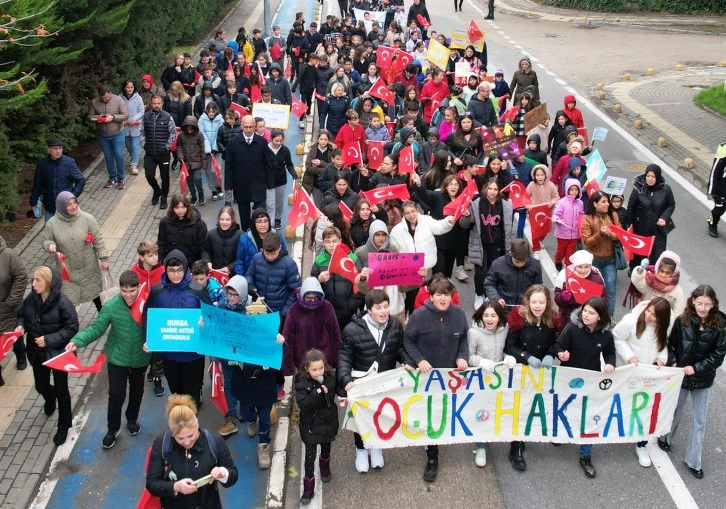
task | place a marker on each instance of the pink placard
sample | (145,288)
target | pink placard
(395,269)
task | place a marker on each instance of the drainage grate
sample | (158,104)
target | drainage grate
(553,36)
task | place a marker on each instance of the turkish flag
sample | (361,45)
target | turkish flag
(352,154)
(474,33)
(197,77)
(517,194)
(403,58)
(68,362)
(406,160)
(591,187)
(460,203)
(90,238)
(288,70)
(380,91)
(147,500)
(276,51)
(345,210)
(581,288)
(298,108)
(240,110)
(183,176)
(7,341)
(540,220)
(341,264)
(217,170)
(381,194)
(318,96)
(303,208)
(176,139)
(423,21)
(471,187)
(64,268)
(260,74)
(384,56)
(220,276)
(137,308)
(582,131)
(218,397)
(636,244)
(375,154)
(391,126)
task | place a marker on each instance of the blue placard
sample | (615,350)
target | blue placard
(173,330)
(239,337)
(599,134)
(596,168)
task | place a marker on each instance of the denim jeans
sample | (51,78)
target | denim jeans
(251,414)
(610,275)
(232,402)
(585,449)
(113,152)
(132,145)
(521,221)
(699,401)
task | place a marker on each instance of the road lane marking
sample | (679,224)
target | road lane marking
(670,477)
(561,81)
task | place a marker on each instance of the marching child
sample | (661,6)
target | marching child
(315,395)
(566,217)
(200,274)
(661,280)
(541,190)
(190,150)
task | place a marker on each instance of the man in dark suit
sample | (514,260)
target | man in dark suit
(246,171)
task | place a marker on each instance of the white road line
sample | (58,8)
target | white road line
(531,58)
(501,32)
(561,81)
(541,67)
(550,73)
(671,479)
(518,47)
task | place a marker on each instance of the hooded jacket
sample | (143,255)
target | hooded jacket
(586,346)
(574,114)
(568,210)
(486,344)
(225,134)
(13,279)
(537,154)
(647,204)
(135,108)
(303,317)
(190,147)
(55,319)
(478,233)
(506,281)
(423,239)
(704,350)
(558,134)
(201,102)
(523,79)
(53,176)
(185,235)
(674,296)
(238,284)
(428,149)
(209,127)
(279,86)
(397,299)
(274,280)
(564,299)
(439,337)
(545,192)
(338,290)
(643,348)
(249,244)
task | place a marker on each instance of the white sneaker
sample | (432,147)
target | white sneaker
(361,460)
(134,170)
(536,255)
(643,457)
(376,458)
(467,264)
(461,274)
(481,457)
(478,301)
(301,124)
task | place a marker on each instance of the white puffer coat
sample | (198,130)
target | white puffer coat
(645,348)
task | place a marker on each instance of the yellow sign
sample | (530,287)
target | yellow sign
(437,54)
(460,40)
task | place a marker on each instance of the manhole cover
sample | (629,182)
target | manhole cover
(553,36)
(637,167)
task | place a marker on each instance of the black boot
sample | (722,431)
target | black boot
(22,360)
(162,203)
(516,458)
(49,406)
(558,266)
(431,470)
(712,228)
(308,490)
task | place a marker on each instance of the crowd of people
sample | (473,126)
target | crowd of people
(331,326)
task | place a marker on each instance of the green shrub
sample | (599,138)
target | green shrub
(672,6)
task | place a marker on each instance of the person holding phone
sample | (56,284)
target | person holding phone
(183,458)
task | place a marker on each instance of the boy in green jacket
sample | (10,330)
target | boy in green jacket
(127,360)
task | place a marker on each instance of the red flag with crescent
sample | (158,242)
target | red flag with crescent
(591,187)
(391,126)
(473,32)
(381,194)
(298,108)
(406,160)
(352,154)
(461,202)
(137,308)
(217,170)
(637,244)
(183,176)
(240,110)
(384,56)
(276,51)
(581,288)
(540,220)
(7,341)
(403,58)
(380,91)
(343,265)
(303,208)
(517,194)
(65,276)
(68,362)
(220,276)
(375,154)
(345,210)
(197,77)
(218,397)
(423,21)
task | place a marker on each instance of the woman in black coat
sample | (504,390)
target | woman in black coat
(185,454)
(220,244)
(182,228)
(650,207)
(334,108)
(340,191)
(360,221)
(698,345)
(50,321)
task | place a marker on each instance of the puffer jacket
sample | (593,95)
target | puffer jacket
(643,348)
(51,177)
(333,112)
(13,279)
(545,192)
(601,246)
(125,339)
(505,281)
(186,235)
(586,346)
(227,132)
(318,411)
(279,87)
(486,344)
(424,237)
(281,164)
(190,148)
(210,128)
(247,247)
(482,111)
(359,349)
(276,281)
(135,108)
(646,205)
(70,234)
(157,132)
(220,247)
(55,319)
(177,109)
(525,339)
(702,349)
(567,213)
(475,246)
(338,290)
(521,80)
(333,197)
(322,78)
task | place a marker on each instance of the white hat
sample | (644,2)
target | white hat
(581,257)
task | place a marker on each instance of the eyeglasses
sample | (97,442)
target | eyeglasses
(175,270)
(703,305)
(262,221)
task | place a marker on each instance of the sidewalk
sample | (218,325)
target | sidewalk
(715,25)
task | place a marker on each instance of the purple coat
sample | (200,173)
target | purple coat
(568,212)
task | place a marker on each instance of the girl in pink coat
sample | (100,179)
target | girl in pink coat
(566,217)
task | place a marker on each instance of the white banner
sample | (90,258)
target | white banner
(564,405)
(369,17)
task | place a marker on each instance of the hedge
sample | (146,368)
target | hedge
(670,6)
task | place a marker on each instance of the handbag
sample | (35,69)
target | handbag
(621,263)
(110,289)
(669,227)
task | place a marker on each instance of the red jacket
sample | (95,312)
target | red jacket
(574,114)
(431,95)
(150,277)
(347,135)
(400,78)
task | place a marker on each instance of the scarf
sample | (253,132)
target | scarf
(663,285)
